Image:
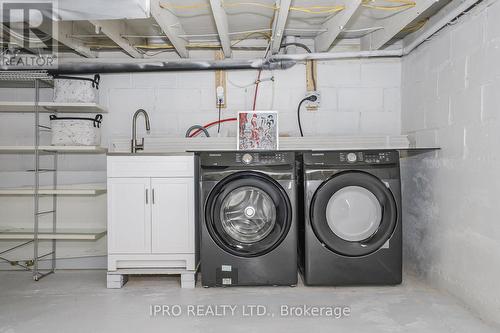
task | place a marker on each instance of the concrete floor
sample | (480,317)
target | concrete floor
(77,301)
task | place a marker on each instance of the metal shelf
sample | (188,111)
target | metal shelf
(60,191)
(59,149)
(50,107)
(25,84)
(64,234)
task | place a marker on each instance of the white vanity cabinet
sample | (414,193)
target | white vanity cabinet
(151,216)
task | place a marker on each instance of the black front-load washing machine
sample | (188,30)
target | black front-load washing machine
(352,232)
(248,229)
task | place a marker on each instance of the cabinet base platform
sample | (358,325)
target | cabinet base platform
(117,279)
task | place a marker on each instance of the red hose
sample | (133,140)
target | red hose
(256,90)
(212,124)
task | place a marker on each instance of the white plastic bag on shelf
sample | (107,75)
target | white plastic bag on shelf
(76,90)
(75,131)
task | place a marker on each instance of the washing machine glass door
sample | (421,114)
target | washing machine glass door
(353,213)
(248,214)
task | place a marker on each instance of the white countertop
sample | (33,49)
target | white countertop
(161,145)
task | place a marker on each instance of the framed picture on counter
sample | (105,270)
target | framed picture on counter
(257,130)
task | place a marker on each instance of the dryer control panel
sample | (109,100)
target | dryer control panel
(366,157)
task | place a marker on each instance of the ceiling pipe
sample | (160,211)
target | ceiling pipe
(438,22)
(169,66)
(334,56)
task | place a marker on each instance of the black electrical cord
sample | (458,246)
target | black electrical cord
(220,105)
(311,98)
(305,47)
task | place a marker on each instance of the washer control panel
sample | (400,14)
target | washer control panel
(367,157)
(352,157)
(262,158)
(247,158)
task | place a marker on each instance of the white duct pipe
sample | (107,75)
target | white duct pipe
(439,21)
(339,55)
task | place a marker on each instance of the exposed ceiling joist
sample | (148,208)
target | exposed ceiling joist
(334,26)
(64,31)
(393,24)
(279,24)
(171,27)
(220,18)
(113,29)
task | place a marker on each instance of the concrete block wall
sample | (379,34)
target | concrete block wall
(358,97)
(176,101)
(450,99)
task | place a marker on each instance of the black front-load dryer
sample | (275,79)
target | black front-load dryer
(351,233)
(248,231)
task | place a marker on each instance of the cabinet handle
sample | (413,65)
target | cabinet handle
(153,195)
(147,196)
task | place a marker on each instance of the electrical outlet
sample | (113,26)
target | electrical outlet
(313,105)
(220,95)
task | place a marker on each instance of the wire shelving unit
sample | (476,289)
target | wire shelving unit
(41,153)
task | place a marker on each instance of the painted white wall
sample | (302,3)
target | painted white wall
(451,98)
(357,97)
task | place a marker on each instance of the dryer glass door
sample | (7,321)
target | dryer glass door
(353,213)
(248,214)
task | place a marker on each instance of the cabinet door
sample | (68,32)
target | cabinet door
(129,215)
(173,215)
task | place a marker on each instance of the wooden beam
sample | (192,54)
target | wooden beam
(393,24)
(220,18)
(171,27)
(334,26)
(64,31)
(113,29)
(220,81)
(279,24)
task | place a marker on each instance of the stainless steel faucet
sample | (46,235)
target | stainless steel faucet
(138,146)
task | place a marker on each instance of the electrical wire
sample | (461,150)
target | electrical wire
(319,9)
(266,35)
(308,50)
(256,90)
(371,29)
(273,91)
(313,9)
(298,116)
(244,86)
(210,125)
(404,4)
(415,27)
(218,124)
(258,75)
(308,98)
(303,9)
